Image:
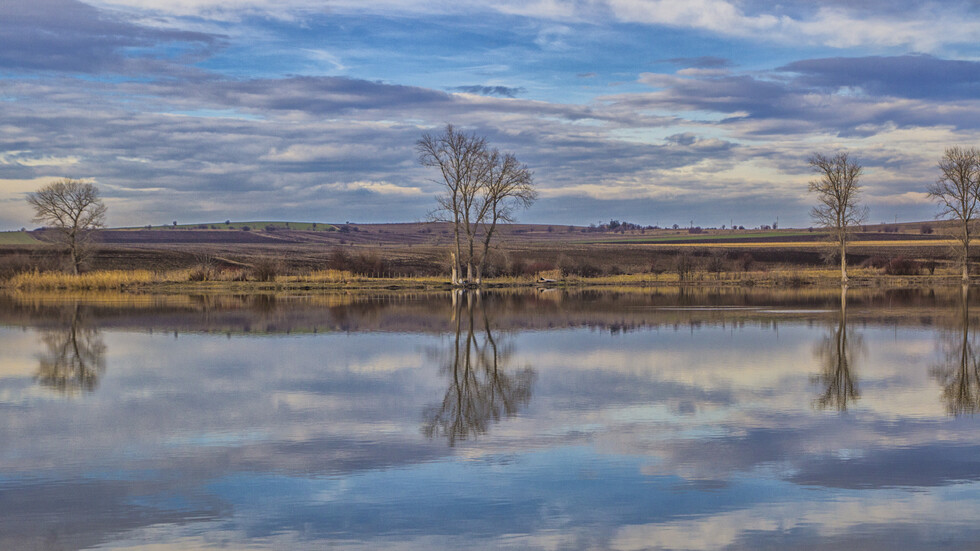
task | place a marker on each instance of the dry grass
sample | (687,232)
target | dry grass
(802,244)
(92,281)
(233,280)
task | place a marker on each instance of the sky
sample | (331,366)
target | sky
(657,112)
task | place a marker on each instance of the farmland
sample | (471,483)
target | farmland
(17,238)
(421,250)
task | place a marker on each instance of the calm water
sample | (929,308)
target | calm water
(644,420)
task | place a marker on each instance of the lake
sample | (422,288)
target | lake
(632,419)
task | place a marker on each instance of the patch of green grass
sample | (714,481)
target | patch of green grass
(17,238)
(253,225)
(697,237)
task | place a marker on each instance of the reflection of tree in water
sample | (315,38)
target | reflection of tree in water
(959,372)
(836,353)
(74,356)
(481,390)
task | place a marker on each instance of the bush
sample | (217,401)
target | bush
(587,269)
(11,265)
(534,267)
(877,261)
(743,262)
(684,264)
(926,229)
(902,266)
(716,264)
(265,269)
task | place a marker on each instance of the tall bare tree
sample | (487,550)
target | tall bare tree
(481,188)
(958,191)
(72,209)
(460,159)
(509,185)
(837,187)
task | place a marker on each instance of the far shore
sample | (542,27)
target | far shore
(181,281)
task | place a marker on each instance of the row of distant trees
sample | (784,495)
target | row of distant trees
(839,210)
(482,187)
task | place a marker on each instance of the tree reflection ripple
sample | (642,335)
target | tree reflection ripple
(74,356)
(482,386)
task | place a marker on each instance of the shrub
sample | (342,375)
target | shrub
(716,264)
(877,261)
(926,229)
(538,266)
(587,269)
(902,266)
(11,265)
(265,269)
(743,262)
(684,264)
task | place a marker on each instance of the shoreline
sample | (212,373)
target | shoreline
(138,281)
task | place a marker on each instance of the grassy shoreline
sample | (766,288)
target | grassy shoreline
(182,281)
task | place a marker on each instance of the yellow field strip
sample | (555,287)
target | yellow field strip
(810,244)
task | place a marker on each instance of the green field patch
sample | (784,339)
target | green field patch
(17,238)
(258,225)
(653,239)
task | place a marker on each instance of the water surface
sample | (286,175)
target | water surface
(666,419)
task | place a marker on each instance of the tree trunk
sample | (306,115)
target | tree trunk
(76,260)
(966,261)
(843,263)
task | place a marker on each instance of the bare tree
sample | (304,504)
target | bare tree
(509,185)
(837,189)
(958,191)
(460,159)
(481,188)
(72,209)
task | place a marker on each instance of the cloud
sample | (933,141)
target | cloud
(78,38)
(908,76)
(778,104)
(922,28)
(499,91)
(702,62)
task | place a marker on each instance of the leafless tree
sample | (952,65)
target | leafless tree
(481,188)
(958,191)
(509,185)
(461,160)
(837,188)
(72,209)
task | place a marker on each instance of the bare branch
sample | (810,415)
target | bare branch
(957,191)
(837,188)
(72,209)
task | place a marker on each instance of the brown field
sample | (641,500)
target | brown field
(521,250)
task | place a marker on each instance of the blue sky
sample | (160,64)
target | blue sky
(651,111)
